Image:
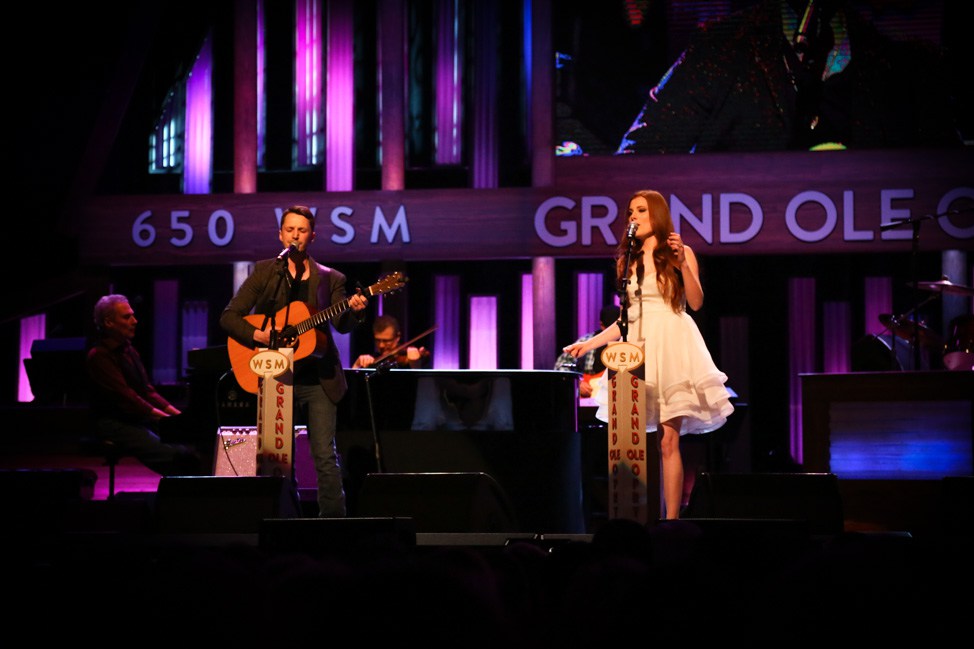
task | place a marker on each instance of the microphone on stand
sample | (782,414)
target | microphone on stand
(284,253)
(631,231)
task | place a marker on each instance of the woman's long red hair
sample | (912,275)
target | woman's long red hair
(667,278)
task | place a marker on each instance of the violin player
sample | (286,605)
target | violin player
(386,336)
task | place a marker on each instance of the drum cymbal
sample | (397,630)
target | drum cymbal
(944,286)
(902,328)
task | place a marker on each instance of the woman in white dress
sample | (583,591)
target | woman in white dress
(685,389)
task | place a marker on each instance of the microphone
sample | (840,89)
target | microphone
(631,231)
(284,253)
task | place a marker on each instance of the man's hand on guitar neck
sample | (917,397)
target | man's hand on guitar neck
(358,301)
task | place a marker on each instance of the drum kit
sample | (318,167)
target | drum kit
(958,349)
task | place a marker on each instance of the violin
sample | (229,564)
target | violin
(402,358)
(399,359)
(400,355)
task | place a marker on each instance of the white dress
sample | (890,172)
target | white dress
(681,377)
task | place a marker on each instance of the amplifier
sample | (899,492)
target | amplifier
(236,454)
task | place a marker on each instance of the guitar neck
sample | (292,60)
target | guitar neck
(321,316)
(327,314)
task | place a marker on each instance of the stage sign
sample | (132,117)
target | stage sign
(275,412)
(793,202)
(633,469)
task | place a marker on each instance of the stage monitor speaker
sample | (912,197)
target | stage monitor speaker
(48,485)
(41,499)
(222,505)
(439,502)
(956,501)
(317,536)
(810,497)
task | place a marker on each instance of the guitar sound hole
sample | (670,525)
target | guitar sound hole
(287,336)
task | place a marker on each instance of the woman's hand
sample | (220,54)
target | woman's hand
(575,349)
(675,243)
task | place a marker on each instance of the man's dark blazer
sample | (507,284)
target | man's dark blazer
(266,291)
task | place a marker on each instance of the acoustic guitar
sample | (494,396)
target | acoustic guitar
(302,337)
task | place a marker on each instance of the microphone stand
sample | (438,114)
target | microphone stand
(914,254)
(382,365)
(624,293)
(269,316)
(292,294)
(274,343)
(375,429)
